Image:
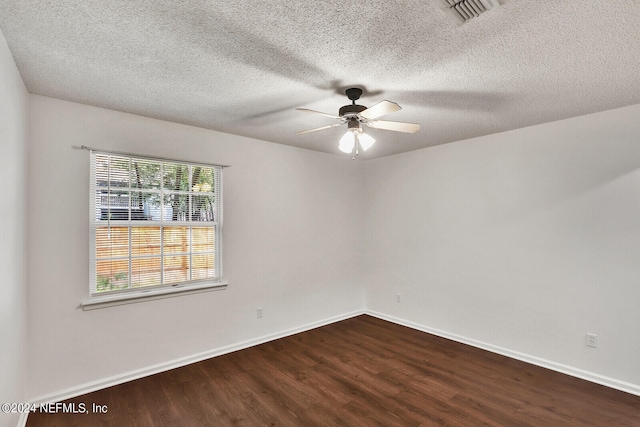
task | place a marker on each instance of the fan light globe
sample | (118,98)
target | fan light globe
(347,142)
(366,141)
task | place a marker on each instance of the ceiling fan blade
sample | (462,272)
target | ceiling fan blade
(306,110)
(317,129)
(395,126)
(380,109)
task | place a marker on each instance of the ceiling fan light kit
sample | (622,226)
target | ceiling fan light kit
(354,115)
(354,139)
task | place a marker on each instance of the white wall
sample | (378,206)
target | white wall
(521,242)
(287,211)
(13,287)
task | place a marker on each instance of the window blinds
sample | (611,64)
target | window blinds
(154,223)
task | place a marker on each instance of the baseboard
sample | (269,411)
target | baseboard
(564,369)
(162,367)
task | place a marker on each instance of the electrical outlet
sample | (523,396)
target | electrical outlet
(398,299)
(259,312)
(592,340)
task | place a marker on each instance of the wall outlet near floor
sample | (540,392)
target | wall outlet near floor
(592,340)
(259,312)
(398,298)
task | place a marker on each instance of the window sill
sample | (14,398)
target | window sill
(120,299)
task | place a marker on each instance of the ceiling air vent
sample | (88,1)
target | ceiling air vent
(465,10)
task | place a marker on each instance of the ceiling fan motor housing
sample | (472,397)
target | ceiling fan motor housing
(351,110)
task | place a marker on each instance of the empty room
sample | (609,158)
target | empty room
(413,213)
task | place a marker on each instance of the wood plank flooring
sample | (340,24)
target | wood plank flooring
(359,372)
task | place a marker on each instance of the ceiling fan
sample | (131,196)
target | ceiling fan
(355,115)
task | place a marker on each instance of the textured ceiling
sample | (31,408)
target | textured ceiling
(242,66)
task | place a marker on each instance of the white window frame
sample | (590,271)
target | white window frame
(100,299)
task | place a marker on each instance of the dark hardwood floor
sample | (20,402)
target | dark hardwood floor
(359,372)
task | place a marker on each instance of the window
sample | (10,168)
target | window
(155,225)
